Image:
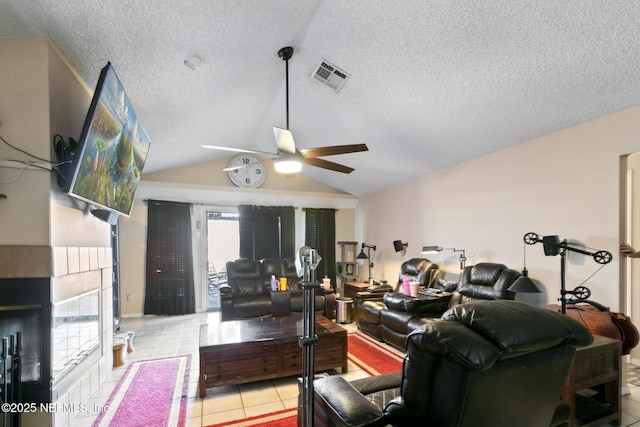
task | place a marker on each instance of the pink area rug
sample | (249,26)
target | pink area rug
(150,393)
(370,355)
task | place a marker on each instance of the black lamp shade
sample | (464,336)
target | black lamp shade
(524,284)
(362,255)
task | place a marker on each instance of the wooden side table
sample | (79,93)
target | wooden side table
(592,389)
(351,289)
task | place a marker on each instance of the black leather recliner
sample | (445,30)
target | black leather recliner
(324,300)
(491,363)
(280,268)
(369,304)
(403,314)
(247,295)
(484,281)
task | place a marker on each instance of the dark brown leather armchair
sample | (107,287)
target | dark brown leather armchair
(490,363)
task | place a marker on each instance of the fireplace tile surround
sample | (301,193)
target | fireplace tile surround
(79,282)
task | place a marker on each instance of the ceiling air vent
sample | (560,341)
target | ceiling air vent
(330,75)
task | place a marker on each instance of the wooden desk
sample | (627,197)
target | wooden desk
(352,288)
(595,373)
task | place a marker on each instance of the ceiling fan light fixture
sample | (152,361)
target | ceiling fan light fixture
(288,164)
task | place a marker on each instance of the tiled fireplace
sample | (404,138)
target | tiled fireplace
(25,307)
(75,331)
(66,320)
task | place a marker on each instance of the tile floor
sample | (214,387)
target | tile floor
(170,336)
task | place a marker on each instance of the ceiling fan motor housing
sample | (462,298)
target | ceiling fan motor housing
(285,53)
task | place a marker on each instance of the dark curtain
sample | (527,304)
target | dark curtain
(169,278)
(320,234)
(266,231)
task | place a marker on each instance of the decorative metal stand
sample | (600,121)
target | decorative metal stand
(310,260)
(553,246)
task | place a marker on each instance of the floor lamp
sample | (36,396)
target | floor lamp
(435,249)
(367,256)
(553,246)
(310,260)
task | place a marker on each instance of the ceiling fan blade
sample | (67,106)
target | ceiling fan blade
(333,150)
(325,164)
(284,140)
(238,150)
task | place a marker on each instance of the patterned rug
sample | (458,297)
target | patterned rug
(366,353)
(150,393)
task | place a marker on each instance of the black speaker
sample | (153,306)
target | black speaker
(105,215)
(65,153)
(552,249)
(398,245)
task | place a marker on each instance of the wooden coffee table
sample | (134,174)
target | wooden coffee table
(241,351)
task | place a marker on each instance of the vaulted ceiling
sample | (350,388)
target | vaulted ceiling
(431,83)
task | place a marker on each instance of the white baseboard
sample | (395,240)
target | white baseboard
(132,315)
(624,390)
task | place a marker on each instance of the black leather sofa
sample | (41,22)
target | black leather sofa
(490,363)
(369,304)
(399,314)
(247,293)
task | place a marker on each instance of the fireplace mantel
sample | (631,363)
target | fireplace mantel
(19,261)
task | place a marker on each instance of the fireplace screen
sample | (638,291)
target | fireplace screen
(25,319)
(75,330)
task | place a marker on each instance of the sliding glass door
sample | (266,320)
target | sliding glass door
(223,244)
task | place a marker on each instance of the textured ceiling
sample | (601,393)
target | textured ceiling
(432,83)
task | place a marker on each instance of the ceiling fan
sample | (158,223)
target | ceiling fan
(289,159)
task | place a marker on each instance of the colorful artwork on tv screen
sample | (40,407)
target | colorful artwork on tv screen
(114,148)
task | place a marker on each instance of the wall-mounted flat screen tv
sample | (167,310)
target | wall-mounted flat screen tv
(111,151)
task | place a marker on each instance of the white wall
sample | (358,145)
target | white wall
(566,183)
(24,123)
(133,245)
